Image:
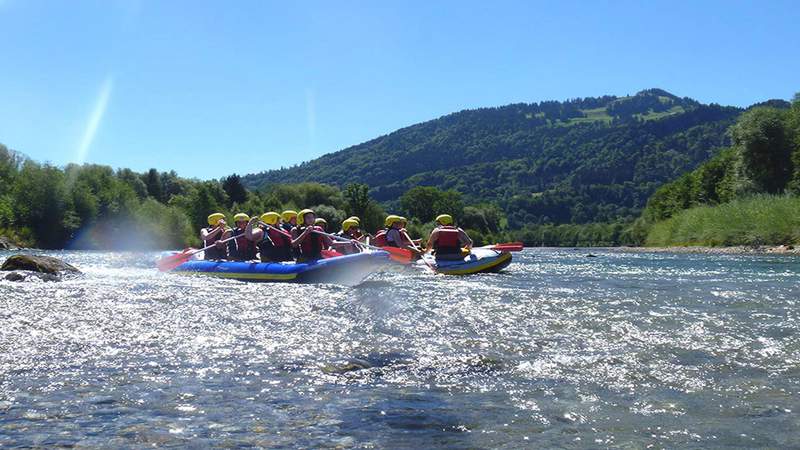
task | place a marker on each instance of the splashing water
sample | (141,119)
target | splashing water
(627,349)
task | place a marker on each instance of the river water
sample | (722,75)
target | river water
(623,350)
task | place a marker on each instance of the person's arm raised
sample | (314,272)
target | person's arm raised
(253,232)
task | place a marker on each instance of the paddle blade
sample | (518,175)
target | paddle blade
(506,247)
(400,255)
(170,262)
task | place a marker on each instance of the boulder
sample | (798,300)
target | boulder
(7,244)
(41,264)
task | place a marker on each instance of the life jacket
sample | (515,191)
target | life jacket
(447,241)
(355,235)
(380,238)
(275,246)
(214,253)
(287,227)
(312,246)
(241,248)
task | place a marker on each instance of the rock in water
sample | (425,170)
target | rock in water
(27,275)
(41,264)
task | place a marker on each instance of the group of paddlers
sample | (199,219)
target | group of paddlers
(293,236)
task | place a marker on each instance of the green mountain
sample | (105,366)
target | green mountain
(578,161)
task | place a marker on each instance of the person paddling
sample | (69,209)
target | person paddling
(394,235)
(446,240)
(241,248)
(304,238)
(289,220)
(357,232)
(212,235)
(322,223)
(350,230)
(274,244)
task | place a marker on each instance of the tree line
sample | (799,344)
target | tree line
(764,159)
(95,206)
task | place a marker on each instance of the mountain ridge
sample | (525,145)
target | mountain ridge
(580,160)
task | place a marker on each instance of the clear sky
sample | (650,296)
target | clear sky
(209,89)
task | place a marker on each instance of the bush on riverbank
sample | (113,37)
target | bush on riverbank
(756,220)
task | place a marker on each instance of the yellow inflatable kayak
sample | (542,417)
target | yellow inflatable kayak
(478,261)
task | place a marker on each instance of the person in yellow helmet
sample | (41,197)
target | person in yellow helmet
(394,235)
(289,220)
(446,239)
(350,230)
(241,248)
(357,232)
(306,237)
(322,223)
(213,234)
(274,244)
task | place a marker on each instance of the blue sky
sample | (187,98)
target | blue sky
(209,89)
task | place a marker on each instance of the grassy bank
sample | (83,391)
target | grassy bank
(757,220)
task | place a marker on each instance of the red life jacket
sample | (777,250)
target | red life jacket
(312,246)
(447,241)
(275,246)
(279,239)
(241,248)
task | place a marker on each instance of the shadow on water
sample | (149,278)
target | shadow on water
(403,419)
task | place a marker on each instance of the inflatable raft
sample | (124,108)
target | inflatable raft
(347,269)
(478,261)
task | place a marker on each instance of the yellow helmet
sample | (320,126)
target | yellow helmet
(349,223)
(358,221)
(301,216)
(214,219)
(390,220)
(270,218)
(241,217)
(288,215)
(445,219)
(320,220)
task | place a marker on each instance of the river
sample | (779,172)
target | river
(622,350)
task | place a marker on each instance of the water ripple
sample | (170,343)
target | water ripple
(626,349)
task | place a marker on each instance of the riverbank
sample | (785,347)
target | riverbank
(733,250)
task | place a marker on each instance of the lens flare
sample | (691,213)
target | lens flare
(95,118)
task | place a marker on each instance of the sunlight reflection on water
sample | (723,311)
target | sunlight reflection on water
(626,349)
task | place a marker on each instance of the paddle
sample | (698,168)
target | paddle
(398,254)
(422,254)
(168,263)
(506,247)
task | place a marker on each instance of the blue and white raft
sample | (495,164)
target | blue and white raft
(347,270)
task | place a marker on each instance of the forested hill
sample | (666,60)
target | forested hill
(581,160)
